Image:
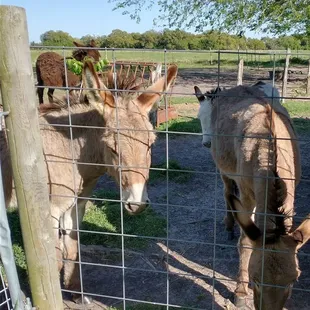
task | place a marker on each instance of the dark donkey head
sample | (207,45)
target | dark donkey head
(80,54)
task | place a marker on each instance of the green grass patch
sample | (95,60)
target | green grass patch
(105,216)
(184,99)
(298,108)
(300,114)
(175,175)
(182,124)
(17,244)
(101,216)
(188,59)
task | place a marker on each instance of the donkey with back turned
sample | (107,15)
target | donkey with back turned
(50,69)
(124,154)
(254,146)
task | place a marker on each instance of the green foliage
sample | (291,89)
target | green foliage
(56,38)
(275,16)
(180,40)
(105,216)
(120,39)
(77,66)
(100,40)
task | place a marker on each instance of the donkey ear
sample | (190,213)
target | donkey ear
(302,233)
(78,44)
(153,93)
(218,89)
(96,91)
(199,94)
(92,43)
(244,218)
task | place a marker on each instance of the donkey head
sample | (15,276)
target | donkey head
(128,134)
(272,270)
(80,54)
(204,113)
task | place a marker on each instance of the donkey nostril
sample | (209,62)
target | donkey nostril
(129,206)
(207,144)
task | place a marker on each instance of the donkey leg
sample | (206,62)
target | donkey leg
(72,276)
(50,94)
(241,291)
(245,251)
(40,94)
(229,220)
(56,213)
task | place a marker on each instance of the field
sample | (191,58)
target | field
(194,59)
(187,204)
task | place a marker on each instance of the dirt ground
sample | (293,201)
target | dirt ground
(202,263)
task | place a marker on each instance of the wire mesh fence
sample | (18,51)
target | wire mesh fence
(177,253)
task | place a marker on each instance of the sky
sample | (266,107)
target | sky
(95,17)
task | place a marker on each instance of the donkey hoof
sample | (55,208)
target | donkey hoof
(85,300)
(241,303)
(230,235)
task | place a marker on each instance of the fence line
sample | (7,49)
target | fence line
(216,209)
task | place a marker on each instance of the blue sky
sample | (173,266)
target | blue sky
(95,17)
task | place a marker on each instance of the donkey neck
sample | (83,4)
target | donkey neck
(86,132)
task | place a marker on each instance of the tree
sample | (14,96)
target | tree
(100,40)
(56,38)
(274,16)
(149,39)
(120,39)
(173,39)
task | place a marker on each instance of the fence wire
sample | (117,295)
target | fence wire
(191,265)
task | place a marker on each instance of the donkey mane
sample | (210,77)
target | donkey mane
(126,87)
(278,190)
(212,93)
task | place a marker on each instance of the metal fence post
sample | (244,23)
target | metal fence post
(6,250)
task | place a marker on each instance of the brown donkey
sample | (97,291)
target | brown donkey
(119,142)
(50,70)
(254,145)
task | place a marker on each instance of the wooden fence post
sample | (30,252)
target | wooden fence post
(240,72)
(308,79)
(29,171)
(285,74)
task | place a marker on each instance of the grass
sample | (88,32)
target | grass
(300,114)
(101,216)
(175,175)
(185,99)
(105,216)
(188,59)
(17,241)
(182,124)
(298,110)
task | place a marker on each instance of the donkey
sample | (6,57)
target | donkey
(50,70)
(119,142)
(255,146)
(204,114)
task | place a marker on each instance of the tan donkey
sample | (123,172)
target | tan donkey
(120,140)
(254,145)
